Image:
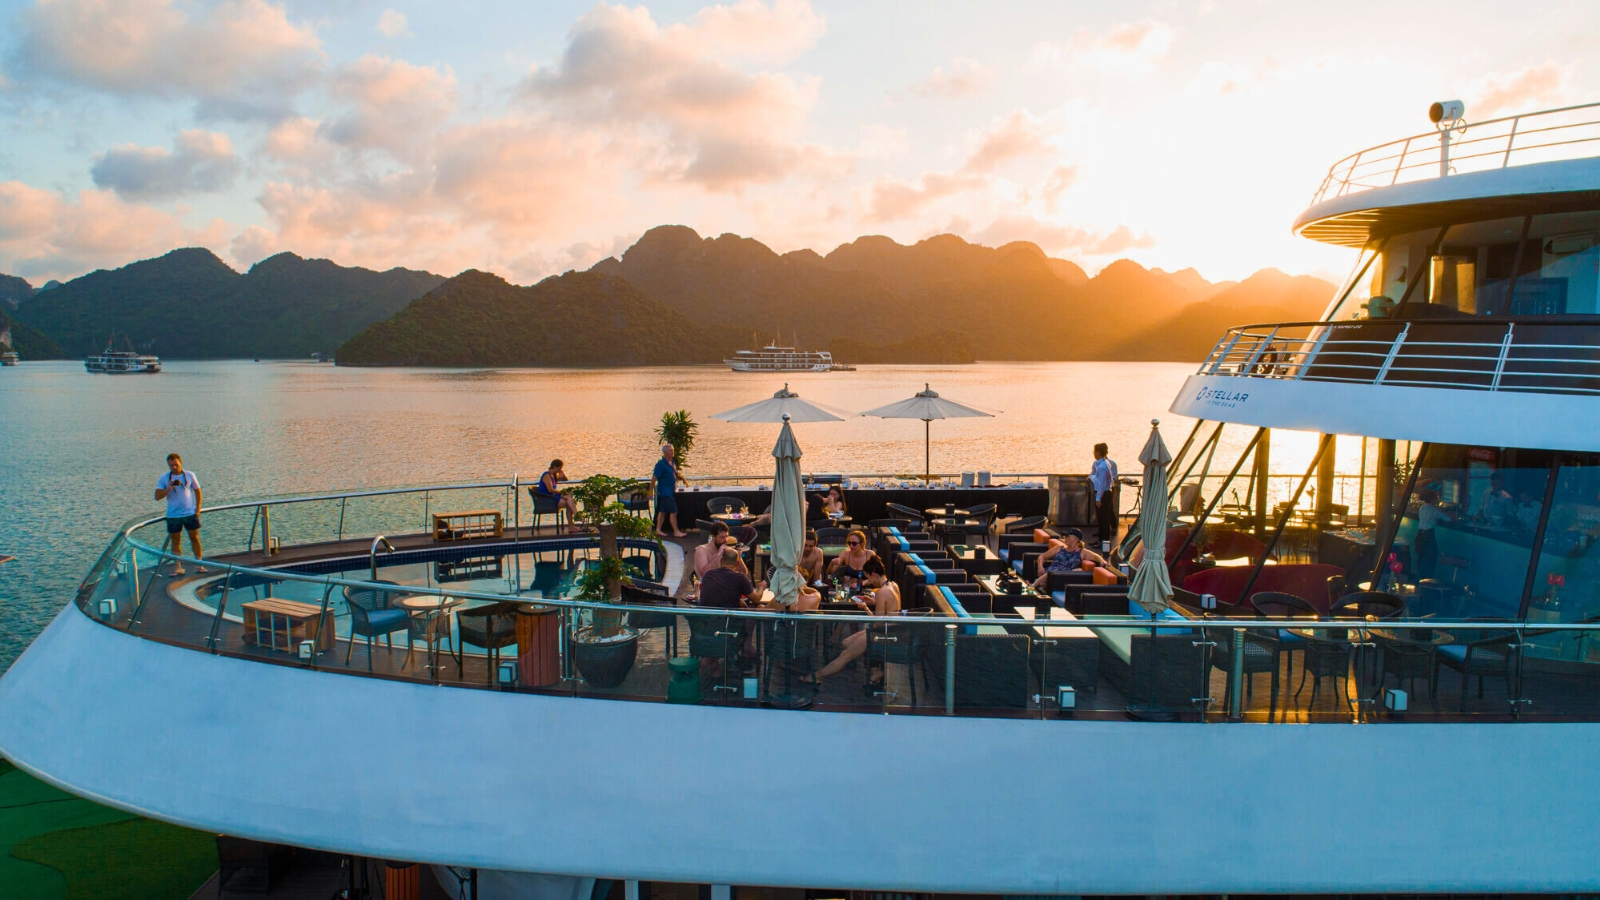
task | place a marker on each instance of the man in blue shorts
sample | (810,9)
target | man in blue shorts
(663,482)
(181,490)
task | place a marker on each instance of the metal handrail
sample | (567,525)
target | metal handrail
(1351,174)
(1263,623)
(1275,351)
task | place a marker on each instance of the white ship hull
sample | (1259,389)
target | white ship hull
(750,796)
(739,365)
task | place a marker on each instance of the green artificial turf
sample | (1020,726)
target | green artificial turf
(133,858)
(55,845)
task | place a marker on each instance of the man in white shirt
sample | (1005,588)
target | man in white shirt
(181,490)
(1103,478)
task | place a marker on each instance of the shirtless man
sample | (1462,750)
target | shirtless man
(811,554)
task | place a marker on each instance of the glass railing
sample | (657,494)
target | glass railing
(500,615)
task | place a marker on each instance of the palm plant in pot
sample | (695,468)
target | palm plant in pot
(604,646)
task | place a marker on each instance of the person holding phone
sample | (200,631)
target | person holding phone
(181,490)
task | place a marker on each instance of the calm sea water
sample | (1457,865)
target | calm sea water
(80,453)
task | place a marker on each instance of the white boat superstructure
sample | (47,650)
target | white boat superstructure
(112,361)
(776,357)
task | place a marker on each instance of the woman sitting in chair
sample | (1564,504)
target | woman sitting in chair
(1065,555)
(850,565)
(833,504)
(550,486)
(885,601)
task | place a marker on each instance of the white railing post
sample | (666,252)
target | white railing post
(1510,139)
(1261,347)
(1394,350)
(1505,350)
(1315,349)
(1401,164)
(1232,339)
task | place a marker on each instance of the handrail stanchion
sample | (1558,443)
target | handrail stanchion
(1505,350)
(1233,338)
(516,529)
(213,640)
(266,528)
(1510,139)
(250,543)
(1394,350)
(1316,348)
(322,617)
(1236,677)
(427,524)
(342,501)
(949,670)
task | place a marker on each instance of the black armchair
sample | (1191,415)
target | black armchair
(1260,655)
(724,505)
(904,512)
(1278,605)
(1025,525)
(492,627)
(1485,653)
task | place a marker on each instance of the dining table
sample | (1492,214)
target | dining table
(435,609)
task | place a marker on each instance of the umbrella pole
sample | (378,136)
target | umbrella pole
(927,452)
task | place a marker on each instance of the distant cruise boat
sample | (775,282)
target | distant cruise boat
(122,362)
(778,358)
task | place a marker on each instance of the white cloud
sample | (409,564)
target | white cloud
(752,31)
(1017,136)
(391,105)
(238,59)
(202,162)
(1130,47)
(962,78)
(392,24)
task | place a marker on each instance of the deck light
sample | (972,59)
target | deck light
(1394,700)
(507,673)
(751,688)
(1066,698)
(307,649)
(1208,601)
(108,607)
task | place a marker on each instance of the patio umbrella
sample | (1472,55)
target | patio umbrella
(784,406)
(788,518)
(927,406)
(1152,586)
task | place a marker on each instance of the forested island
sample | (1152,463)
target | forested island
(673,298)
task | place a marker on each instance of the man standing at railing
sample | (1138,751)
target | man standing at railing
(1103,478)
(663,483)
(181,490)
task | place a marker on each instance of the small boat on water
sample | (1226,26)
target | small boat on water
(112,361)
(8,356)
(776,357)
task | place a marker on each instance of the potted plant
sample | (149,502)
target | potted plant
(678,429)
(603,645)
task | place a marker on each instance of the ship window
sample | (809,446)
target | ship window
(1349,302)
(1566,586)
(1467,556)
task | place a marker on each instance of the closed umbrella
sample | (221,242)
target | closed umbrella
(1152,585)
(788,518)
(927,406)
(784,406)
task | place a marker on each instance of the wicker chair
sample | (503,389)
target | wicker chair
(544,505)
(492,627)
(1485,653)
(723,505)
(1025,525)
(1278,605)
(1361,604)
(902,511)
(1261,654)
(371,617)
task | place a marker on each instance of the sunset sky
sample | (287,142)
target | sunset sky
(531,138)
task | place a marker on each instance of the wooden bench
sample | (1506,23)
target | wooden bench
(294,620)
(477,523)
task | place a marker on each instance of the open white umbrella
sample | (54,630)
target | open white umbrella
(927,406)
(784,406)
(1152,585)
(788,518)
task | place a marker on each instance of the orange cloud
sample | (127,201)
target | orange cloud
(1535,87)
(1018,135)
(708,123)
(45,234)
(392,105)
(1128,47)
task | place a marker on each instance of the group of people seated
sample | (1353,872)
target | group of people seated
(725,583)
